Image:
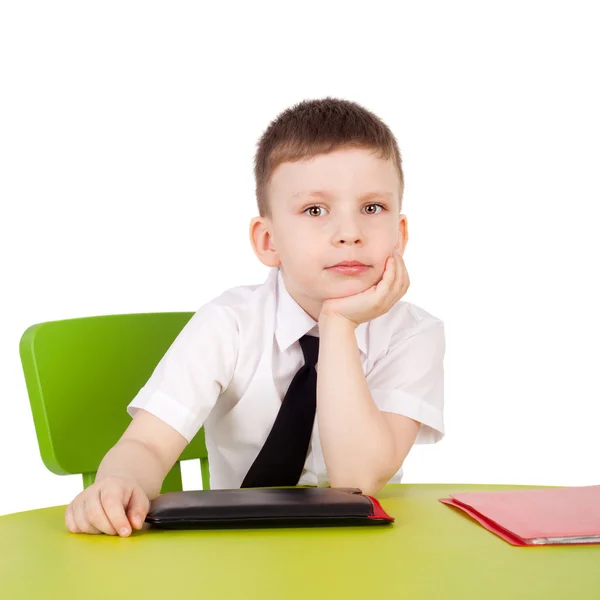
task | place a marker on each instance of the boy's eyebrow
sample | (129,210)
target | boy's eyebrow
(324,194)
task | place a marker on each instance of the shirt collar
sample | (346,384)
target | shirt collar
(292,321)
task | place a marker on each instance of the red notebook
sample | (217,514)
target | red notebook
(533,517)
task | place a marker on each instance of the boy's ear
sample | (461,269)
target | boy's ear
(402,233)
(261,239)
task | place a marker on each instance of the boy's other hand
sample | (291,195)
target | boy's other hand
(113,506)
(376,300)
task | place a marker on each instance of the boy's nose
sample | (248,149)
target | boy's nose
(348,235)
(349,240)
(347,230)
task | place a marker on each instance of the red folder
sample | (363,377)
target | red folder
(536,517)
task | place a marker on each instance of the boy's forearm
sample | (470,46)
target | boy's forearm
(134,460)
(357,442)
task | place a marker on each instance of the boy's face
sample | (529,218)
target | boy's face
(342,206)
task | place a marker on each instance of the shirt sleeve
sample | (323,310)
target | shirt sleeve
(195,370)
(409,380)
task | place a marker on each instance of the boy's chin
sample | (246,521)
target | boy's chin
(346,288)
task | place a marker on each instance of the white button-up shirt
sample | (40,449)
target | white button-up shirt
(230,367)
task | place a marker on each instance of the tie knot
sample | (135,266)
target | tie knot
(310,349)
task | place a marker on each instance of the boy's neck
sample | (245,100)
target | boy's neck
(311,307)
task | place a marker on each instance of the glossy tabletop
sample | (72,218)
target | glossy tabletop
(431,551)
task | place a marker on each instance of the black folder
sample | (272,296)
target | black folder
(265,507)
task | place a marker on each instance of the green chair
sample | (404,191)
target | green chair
(82,373)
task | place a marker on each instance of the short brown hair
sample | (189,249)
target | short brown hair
(320,126)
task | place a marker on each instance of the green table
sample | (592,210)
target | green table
(431,551)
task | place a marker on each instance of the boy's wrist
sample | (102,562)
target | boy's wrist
(333,321)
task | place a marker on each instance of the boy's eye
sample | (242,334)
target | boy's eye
(317,211)
(314,211)
(373,206)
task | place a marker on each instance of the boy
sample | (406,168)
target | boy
(329,186)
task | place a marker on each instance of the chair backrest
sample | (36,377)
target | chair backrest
(82,373)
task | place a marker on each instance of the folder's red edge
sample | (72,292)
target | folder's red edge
(378,512)
(490,525)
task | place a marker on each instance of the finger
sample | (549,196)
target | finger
(70,520)
(138,507)
(400,272)
(387,280)
(112,503)
(97,517)
(402,280)
(81,520)
(405,279)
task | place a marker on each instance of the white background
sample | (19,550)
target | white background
(127,133)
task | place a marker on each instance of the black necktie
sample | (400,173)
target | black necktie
(281,459)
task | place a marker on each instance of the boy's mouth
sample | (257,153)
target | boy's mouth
(349,267)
